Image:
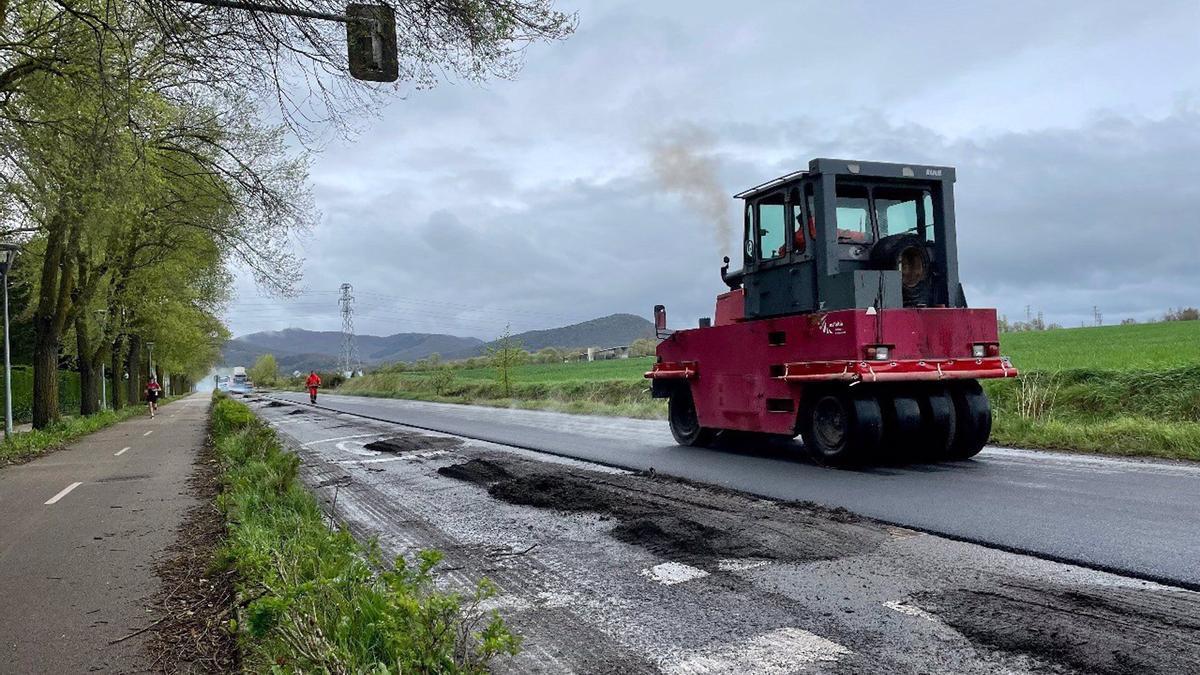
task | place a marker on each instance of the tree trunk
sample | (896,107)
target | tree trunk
(114,375)
(45,375)
(133,366)
(89,372)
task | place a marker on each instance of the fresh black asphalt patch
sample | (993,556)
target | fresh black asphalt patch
(413,443)
(674,518)
(1111,631)
(276,404)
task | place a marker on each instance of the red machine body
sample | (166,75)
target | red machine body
(752,375)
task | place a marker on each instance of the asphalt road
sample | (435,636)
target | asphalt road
(81,531)
(1137,518)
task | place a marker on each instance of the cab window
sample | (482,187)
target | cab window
(927,203)
(772,229)
(748,246)
(799,241)
(897,211)
(853,215)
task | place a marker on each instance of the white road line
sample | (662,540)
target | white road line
(671,573)
(148,432)
(912,610)
(341,438)
(344,447)
(64,493)
(775,653)
(120,452)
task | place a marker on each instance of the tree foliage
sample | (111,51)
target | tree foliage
(138,173)
(504,355)
(265,371)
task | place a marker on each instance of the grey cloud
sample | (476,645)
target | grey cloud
(535,201)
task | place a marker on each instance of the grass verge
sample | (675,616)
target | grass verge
(318,601)
(27,445)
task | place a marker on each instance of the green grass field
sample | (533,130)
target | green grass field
(617,369)
(1129,390)
(1151,346)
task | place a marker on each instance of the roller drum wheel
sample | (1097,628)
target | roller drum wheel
(685,424)
(841,428)
(973,420)
(902,428)
(937,424)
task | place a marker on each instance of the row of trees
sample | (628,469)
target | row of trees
(137,175)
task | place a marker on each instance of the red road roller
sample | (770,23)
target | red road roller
(846,325)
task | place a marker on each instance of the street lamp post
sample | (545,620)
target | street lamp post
(150,348)
(8,253)
(103,377)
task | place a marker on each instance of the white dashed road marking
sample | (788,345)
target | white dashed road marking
(778,652)
(148,432)
(120,452)
(671,573)
(64,493)
(339,438)
(911,610)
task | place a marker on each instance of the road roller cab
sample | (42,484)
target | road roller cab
(846,324)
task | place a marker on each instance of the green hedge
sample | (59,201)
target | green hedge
(22,388)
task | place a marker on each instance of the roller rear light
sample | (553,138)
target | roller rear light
(878,352)
(980,350)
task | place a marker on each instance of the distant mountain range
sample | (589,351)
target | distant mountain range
(298,349)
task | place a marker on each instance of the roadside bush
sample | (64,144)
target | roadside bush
(315,599)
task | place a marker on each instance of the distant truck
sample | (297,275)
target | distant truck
(238,382)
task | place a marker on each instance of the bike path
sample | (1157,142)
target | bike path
(81,531)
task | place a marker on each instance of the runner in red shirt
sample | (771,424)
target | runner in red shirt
(153,393)
(311,384)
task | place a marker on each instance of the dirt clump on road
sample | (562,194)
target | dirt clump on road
(478,471)
(275,404)
(409,442)
(1107,630)
(298,411)
(676,518)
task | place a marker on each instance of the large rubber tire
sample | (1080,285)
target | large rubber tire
(685,424)
(937,424)
(973,420)
(842,428)
(908,254)
(901,428)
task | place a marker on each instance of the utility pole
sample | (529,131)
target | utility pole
(349,353)
(150,360)
(8,254)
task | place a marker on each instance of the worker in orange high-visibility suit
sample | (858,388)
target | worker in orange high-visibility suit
(311,384)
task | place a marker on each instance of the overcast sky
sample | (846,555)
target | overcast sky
(1075,128)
